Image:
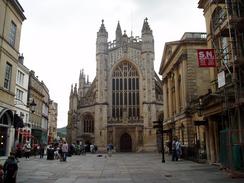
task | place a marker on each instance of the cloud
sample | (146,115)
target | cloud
(59,36)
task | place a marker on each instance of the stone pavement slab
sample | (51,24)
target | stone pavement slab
(120,168)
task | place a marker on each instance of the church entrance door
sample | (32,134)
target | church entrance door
(125,143)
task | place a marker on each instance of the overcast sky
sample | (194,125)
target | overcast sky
(59,36)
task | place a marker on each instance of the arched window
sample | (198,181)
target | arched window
(88,124)
(220,42)
(125,92)
(218,17)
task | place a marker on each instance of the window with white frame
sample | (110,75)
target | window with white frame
(19,94)
(20,78)
(7,78)
(12,33)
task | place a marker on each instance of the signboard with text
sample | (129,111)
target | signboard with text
(206,58)
(221,79)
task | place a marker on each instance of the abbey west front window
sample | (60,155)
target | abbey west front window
(125,92)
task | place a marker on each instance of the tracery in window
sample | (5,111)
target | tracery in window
(125,91)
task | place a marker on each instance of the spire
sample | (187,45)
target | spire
(146,28)
(80,75)
(102,40)
(87,79)
(71,91)
(118,32)
(75,89)
(102,28)
(82,72)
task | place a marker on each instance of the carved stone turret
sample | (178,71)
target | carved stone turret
(102,40)
(118,34)
(147,38)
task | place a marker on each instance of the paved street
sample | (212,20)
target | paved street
(120,168)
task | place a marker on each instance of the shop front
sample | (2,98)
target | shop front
(6,131)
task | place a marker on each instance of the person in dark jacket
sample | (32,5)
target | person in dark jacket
(10,169)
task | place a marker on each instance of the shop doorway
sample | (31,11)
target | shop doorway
(3,140)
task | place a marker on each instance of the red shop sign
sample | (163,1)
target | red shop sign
(206,58)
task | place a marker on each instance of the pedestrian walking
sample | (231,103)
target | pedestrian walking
(18,150)
(10,169)
(60,151)
(176,149)
(83,149)
(110,149)
(27,150)
(65,150)
(92,148)
(174,153)
(41,150)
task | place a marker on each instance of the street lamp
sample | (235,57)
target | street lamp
(160,127)
(32,106)
(199,107)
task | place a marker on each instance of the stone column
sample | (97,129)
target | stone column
(169,97)
(10,140)
(216,142)
(184,86)
(166,115)
(207,143)
(177,92)
(211,142)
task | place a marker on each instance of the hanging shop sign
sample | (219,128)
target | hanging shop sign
(206,58)
(221,79)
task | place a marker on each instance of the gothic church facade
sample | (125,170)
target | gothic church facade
(123,100)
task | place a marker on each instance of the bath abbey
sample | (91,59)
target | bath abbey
(119,106)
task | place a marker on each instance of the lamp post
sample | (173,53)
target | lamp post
(162,133)
(200,107)
(32,106)
(160,127)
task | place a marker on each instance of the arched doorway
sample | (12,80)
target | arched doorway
(125,143)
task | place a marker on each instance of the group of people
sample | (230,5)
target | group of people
(176,149)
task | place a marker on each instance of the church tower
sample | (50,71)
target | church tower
(72,114)
(120,104)
(101,86)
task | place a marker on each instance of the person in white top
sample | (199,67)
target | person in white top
(65,150)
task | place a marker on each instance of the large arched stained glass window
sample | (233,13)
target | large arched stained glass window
(125,91)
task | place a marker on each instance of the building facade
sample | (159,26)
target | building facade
(223,106)
(38,93)
(45,113)
(11,18)
(123,100)
(183,83)
(52,121)
(23,131)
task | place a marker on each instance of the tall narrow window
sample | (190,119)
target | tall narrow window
(8,73)
(12,33)
(20,78)
(126,88)
(88,124)
(19,94)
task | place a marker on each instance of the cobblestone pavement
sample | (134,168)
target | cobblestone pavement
(120,168)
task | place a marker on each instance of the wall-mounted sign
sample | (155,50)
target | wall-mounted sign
(206,58)
(221,79)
